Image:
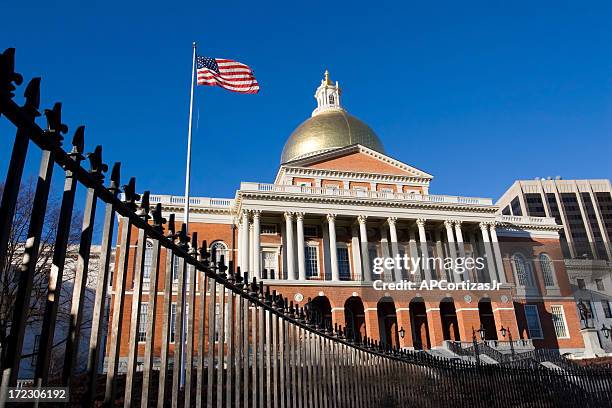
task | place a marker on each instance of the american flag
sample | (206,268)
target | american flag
(228,74)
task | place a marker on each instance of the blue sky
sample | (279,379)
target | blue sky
(476,94)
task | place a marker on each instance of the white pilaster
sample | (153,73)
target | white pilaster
(499,263)
(365,254)
(333,253)
(257,244)
(300,246)
(290,247)
(356,253)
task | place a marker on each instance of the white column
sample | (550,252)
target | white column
(299,217)
(365,254)
(244,245)
(452,250)
(415,273)
(461,246)
(499,263)
(290,247)
(333,253)
(251,249)
(384,246)
(487,246)
(356,252)
(257,244)
(397,272)
(238,252)
(424,252)
(439,253)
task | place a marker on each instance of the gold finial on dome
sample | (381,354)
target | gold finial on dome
(327,81)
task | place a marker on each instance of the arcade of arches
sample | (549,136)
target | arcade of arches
(418,324)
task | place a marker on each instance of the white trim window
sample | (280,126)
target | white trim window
(533,322)
(522,270)
(175,267)
(148,261)
(559,322)
(344,265)
(142,322)
(270,262)
(172,321)
(548,270)
(220,249)
(311,253)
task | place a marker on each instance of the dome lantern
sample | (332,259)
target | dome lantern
(327,95)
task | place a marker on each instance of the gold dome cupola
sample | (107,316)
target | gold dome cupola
(329,127)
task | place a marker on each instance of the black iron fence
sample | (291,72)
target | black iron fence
(257,349)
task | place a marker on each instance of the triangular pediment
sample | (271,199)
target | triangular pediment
(359,159)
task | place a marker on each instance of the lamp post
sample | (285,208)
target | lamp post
(482,332)
(505,331)
(475,343)
(402,332)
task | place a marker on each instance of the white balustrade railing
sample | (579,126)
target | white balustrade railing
(196,201)
(522,219)
(357,193)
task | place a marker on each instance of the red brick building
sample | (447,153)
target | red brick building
(339,202)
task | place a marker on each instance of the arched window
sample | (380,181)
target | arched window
(148,260)
(547,270)
(522,270)
(332,100)
(221,249)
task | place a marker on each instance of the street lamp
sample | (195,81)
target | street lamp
(505,331)
(402,332)
(606,331)
(482,332)
(475,343)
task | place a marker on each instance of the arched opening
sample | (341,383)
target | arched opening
(418,323)
(320,310)
(387,322)
(354,316)
(487,320)
(448,315)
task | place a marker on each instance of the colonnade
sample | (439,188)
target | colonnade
(294,245)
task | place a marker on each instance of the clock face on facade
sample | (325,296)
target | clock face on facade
(298,297)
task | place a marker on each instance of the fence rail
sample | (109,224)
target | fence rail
(260,350)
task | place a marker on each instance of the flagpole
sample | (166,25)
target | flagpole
(186,216)
(188,171)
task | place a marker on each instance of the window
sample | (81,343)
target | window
(304,184)
(522,270)
(148,260)
(142,323)
(268,229)
(331,99)
(270,263)
(312,261)
(175,267)
(311,231)
(360,188)
(605,305)
(559,321)
(533,322)
(600,285)
(344,267)
(220,249)
(547,270)
(580,283)
(386,190)
(332,186)
(172,321)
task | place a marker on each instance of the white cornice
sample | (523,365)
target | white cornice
(353,175)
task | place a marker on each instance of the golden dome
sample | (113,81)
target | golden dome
(328,130)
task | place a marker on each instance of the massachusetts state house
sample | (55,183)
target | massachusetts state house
(340,200)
